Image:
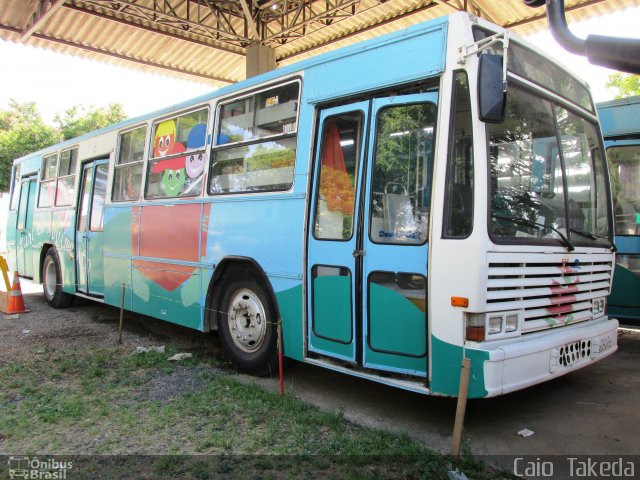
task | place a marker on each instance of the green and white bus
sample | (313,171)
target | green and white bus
(620,121)
(397,205)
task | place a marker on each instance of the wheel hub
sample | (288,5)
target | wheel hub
(49,278)
(247,320)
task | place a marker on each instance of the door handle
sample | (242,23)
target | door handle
(358,253)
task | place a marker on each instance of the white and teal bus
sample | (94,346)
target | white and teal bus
(398,205)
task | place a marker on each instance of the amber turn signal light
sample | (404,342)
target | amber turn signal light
(459,302)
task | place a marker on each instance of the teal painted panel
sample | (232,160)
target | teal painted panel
(400,363)
(117,271)
(290,306)
(41,234)
(96,263)
(445,372)
(62,235)
(396,324)
(205,279)
(626,288)
(332,308)
(345,350)
(11,239)
(118,230)
(67,270)
(623,312)
(181,305)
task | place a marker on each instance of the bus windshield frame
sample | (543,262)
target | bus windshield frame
(547,174)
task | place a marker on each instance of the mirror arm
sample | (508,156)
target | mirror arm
(477,47)
(611,52)
(560,30)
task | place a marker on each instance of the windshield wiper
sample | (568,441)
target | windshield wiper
(530,224)
(594,236)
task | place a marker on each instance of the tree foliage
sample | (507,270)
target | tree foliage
(79,120)
(627,85)
(22,130)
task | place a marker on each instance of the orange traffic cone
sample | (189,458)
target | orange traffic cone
(16,302)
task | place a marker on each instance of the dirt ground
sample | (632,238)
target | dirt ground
(88,325)
(590,412)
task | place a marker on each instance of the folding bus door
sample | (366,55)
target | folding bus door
(396,226)
(367,235)
(24,240)
(332,239)
(89,229)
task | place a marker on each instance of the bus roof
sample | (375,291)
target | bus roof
(257,80)
(620,117)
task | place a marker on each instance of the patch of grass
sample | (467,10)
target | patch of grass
(109,401)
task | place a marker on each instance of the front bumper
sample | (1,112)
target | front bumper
(541,356)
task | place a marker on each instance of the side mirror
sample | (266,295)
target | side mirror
(492,91)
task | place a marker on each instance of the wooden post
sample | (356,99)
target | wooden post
(463,392)
(121,316)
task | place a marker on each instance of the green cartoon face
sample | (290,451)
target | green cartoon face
(173,181)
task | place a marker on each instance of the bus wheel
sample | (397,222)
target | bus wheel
(52,281)
(247,328)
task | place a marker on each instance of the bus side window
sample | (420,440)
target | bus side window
(65,192)
(176,166)
(15,193)
(256,142)
(127,179)
(401,180)
(48,181)
(458,216)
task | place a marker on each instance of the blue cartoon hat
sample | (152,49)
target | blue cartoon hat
(197,136)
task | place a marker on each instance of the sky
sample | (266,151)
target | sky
(57,81)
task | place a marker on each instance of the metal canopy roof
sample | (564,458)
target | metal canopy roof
(206,40)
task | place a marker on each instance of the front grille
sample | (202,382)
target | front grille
(552,289)
(574,352)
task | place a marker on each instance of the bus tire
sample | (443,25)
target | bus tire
(52,281)
(247,326)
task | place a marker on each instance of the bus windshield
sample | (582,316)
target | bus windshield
(547,175)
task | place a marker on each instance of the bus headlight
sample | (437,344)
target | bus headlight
(495,325)
(492,326)
(598,306)
(512,322)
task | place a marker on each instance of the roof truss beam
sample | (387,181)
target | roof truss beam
(205,19)
(288,19)
(251,23)
(179,35)
(42,11)
(234,23)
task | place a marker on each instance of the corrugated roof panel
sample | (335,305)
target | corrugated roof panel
(202,58)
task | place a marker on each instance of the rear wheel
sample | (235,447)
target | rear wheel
(247,326)
(52,281)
